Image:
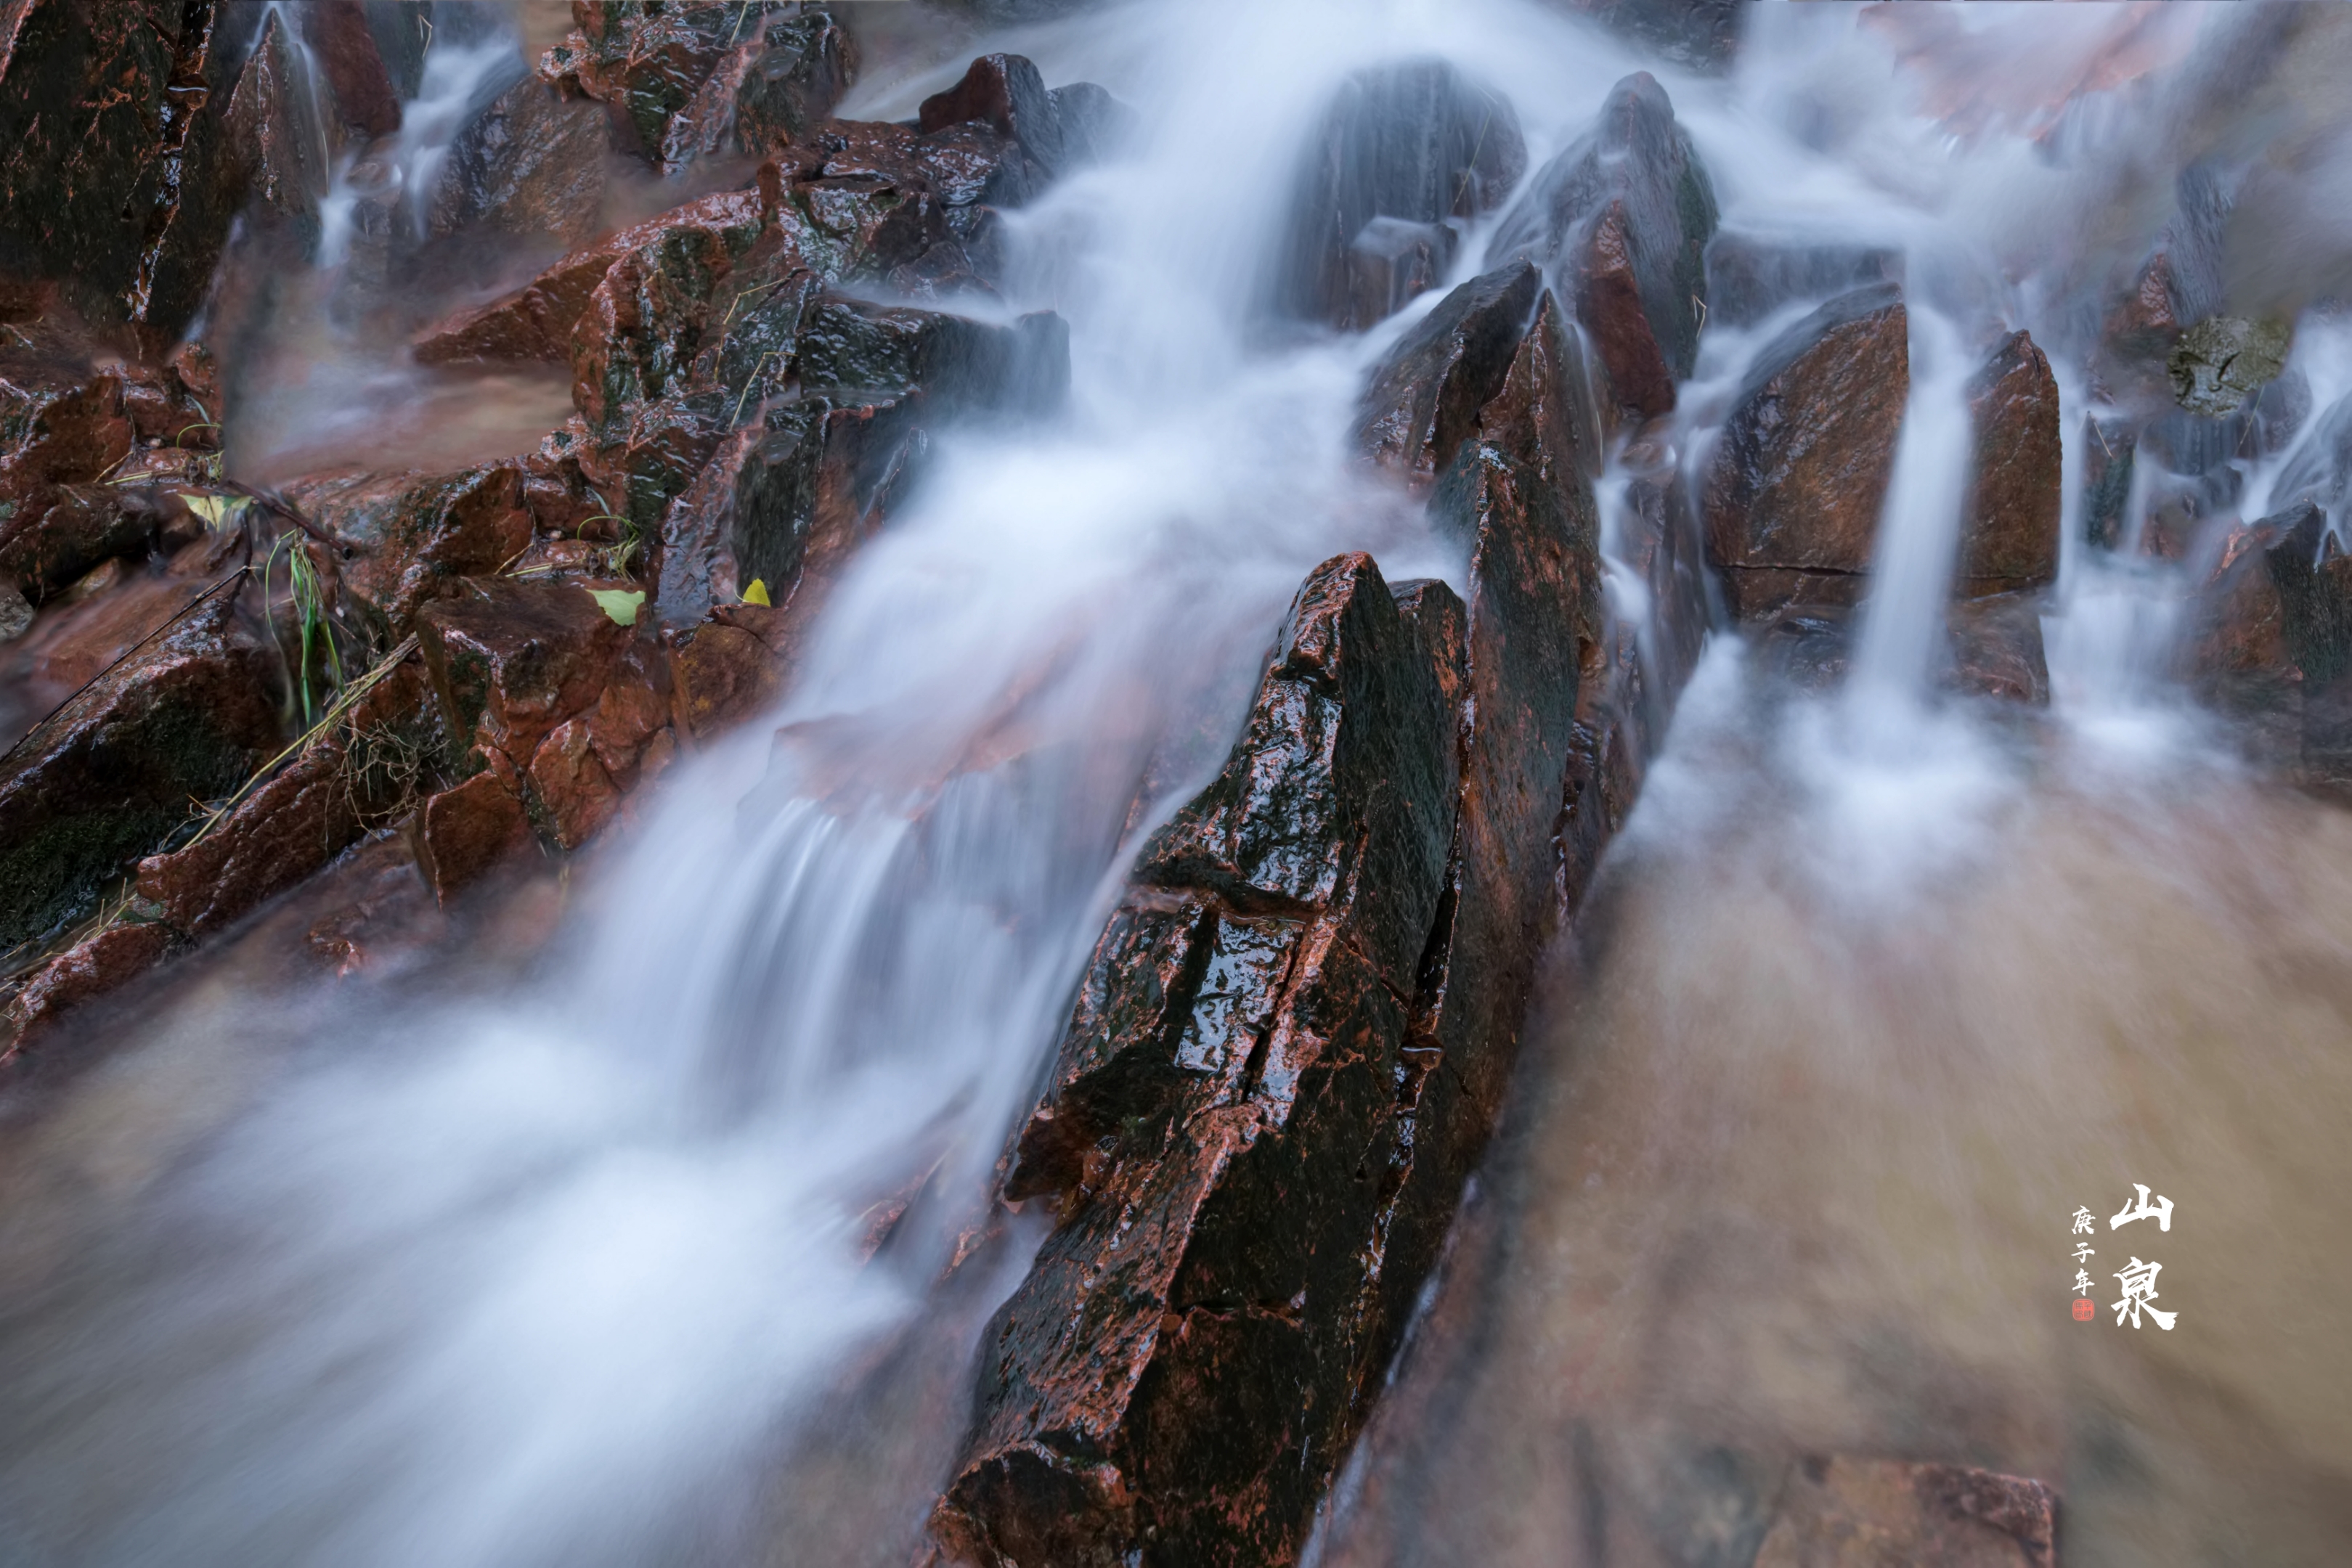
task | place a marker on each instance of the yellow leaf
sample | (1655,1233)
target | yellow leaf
(621,603)
(219,512)
(758,593)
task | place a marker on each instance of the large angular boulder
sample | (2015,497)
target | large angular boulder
(1175,1379)
(510,660)
(1403,154)
(646,59)
(1801,465)
(58,429)
(533,164)
(185,717)
(1620,221)
(2269,638)
(1424,400)
(2009,526)
(806,61)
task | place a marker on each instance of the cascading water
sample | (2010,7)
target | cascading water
(574,1270)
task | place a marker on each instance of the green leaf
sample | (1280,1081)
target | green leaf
(219,512)
(621,603)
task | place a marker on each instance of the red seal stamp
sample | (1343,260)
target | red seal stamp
(2085,1309)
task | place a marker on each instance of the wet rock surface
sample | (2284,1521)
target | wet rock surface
(1846,1512)
(2270,639)
(1424,398)
(1803,461)
(1620,223)
(2009,525)
(1403,154)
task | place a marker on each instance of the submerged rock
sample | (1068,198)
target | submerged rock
(1803,462)
(2320,469)
(1857,1513)
(1750,277)
(1620,222)
(2009,526)
(1404,151)
(1704,33)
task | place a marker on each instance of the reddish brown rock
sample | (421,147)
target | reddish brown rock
(1005,92)
(1175,1379)
(805,64)
(533,164)
(186,717)
(56,430)
(2009,529)
(1424,398)
(93,967)
(1802,464)
(405,539)
(1620,222)
(276,138)
(343,49)
(572,785)
(2270,641)
(510,660)
(1414,144)
(1860,1513)
(647,60)
(462,834)
(722,674)
(1996,648)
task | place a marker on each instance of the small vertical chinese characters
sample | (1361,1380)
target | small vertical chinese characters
(2084,1310)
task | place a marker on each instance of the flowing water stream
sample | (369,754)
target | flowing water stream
(575,1264)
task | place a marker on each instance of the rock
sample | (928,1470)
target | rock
(2109,445)
(1095,125)
(1802,464)
(1859,1513)
(806,61)
(2270,639)
(1006,93)
(2221,362)
(722,674)
(1996,648)
(886,203)
(93,967)
(1750,277)
(789,496)
(2180,282)
(16,613)
(1424,398)
(186,717)
(464,833)
(297,821)
(1177,1374)
(115,176)
(1414,143)
(510,660)
(1703,34)
(343,48)
(1518,500)
(1620,222)
(56,431)
(276,138)
(533,164)
(572,785)
(643,323)
(405,539)
(84,526)
(646,59)
(2009,524)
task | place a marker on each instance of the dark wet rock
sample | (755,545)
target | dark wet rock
(15,612)
(1176,1377)
(785,498)
(1996,648)
(2221,362)
(462,834)
(805,63)
(2180,282)
(1006,93)
(277,139)
(186,717)
(56,431)
(646,59)
(1802,464)
(531,164)
(403,539)
(2109,445)
(886,203)
(1620,222)
(2009,525)
(1760,593)
(2270,639)
(340,786)
(510,660)
(645,320)
(1750,277)
(1416,143)
(1095,125)
(95,966)
(84,526)
(116,175)
(173,404)
(1424,398)
(1846,1512)
(344,50)
(1704,33)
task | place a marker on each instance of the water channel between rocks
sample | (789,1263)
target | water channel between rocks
(1371,784)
